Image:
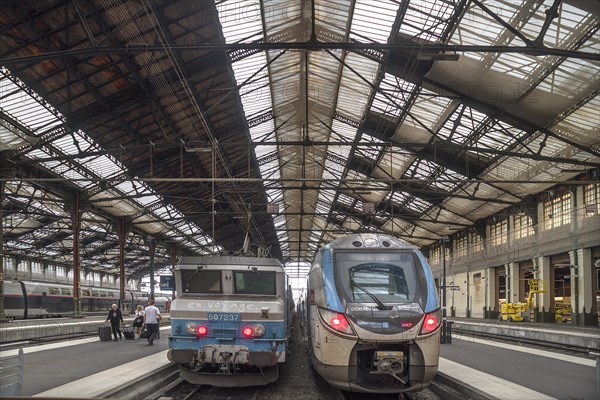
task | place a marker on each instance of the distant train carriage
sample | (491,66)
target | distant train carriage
(373,315)
(31,299)
(230,321)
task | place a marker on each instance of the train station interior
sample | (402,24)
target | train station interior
(134,133)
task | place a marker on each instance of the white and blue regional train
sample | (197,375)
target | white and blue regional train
(231,320)
(373,315)
(31,299)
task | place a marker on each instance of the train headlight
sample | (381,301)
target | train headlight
(247,331)
(253,330)
(336,321)
(431,322)
(259,330)
(190,328)
(202,330)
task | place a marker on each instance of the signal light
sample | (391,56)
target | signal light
(431,322)
(202,330)
(253,330)
(248,331)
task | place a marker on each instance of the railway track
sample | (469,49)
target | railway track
(181,390)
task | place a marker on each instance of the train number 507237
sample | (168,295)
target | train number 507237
(226,317)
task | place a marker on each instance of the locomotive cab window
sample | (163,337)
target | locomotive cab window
(201,281)
(390,277)
(253,282)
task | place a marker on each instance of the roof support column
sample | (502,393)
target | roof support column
(76,222)
(173,255)
(2,314)
(512,283)
(490,289)
(123,229)
(151,249)
(544,271)
(583,287)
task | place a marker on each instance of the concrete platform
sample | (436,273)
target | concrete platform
(89,368)
(557,334)
(56,328)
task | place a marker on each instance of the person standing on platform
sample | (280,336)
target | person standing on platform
(151,318)
(138,321)
(116,319)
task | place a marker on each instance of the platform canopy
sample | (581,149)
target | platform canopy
(275,126)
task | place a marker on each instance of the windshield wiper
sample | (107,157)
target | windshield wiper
(198,269)
(380,305)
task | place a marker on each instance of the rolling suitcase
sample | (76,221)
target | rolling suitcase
(128,333)
(104,333)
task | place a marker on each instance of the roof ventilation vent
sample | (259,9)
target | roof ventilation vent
(385,243)
(356,243)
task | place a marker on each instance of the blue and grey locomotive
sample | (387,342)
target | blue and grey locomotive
(373,315)
(230,321)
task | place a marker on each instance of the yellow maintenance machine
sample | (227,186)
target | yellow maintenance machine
(520,311)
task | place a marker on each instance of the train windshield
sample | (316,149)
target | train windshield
(388,277)
(251,282)
(199,281)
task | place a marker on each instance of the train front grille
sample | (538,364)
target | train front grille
(226,331)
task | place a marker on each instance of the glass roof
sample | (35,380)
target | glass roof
(391,116)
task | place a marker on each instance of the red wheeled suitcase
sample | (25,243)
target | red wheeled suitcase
(104,333)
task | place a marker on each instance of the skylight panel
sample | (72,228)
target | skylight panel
(370,152)
(498,136)
(418,205)
(435,175)
(277,11)
(427,110)
(461,126)
(393,96)
(274,195)
(372,20)
(398,197)
(255,94)
(448,180)
(324,73)
(333,171)
(127,187)
(518,65)
(570,78)
(241,20)
(426,19)
(477,27)
(30,110)
(342,132)
(332,15)
(564,30)
(325,201)
(354,92)
(279,221)
(393,163)
(69,173)
(345,199)
(582,124)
